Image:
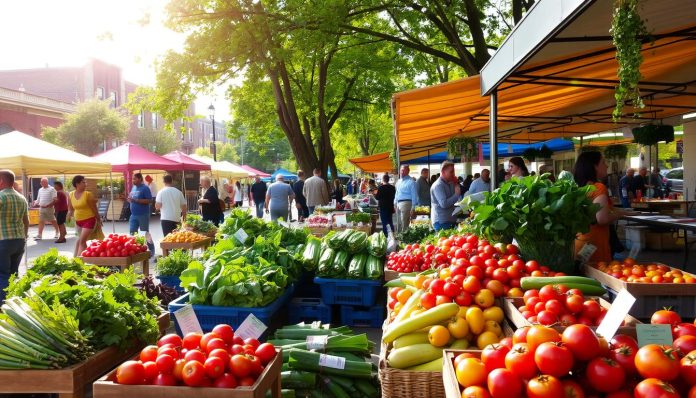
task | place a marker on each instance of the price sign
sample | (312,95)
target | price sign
(187,320)
(616,314)
(252,327)
(331,361)
(241,235)
(317,342)
(340,220)
(654,334)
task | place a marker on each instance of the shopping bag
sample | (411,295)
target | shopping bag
(96,234)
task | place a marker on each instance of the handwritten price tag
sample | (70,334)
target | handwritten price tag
(252,327)
(187,320)
(654,334)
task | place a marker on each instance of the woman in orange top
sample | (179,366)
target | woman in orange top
(83,207)
(589,169)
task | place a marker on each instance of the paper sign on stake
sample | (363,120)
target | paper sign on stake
(654,334)
(340,220)
(187,320)
(616,314)
(252,327)
(241,235)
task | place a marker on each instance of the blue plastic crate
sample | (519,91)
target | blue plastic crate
(210,316)
(362,316)
(308,309)
(349,291)
(172,281)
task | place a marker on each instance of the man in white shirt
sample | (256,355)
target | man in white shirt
(46,199)
(172,206)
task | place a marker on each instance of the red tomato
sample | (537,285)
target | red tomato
(164,380)
(685,344)
(215,344)
(227,380)
(591,309)
(605,375)
(171,338)
(623,340)
(573,389)
(427,300)
(206,338)
(688,368)
(130,372)
(193,373)
(619,394)
(684,329)
(256,365)
(237,349)
(521,361)
(252,342)
(548,292)
(544,386)
(463,299)
(653,388)
(192,340)
(437,287)
(553,359)
(531,266)
(503,383)
(493,356)
(665,317)
(247,381)
(167,350)
(581,341)
(195,356)
(148,354)
(541,334)
(547,318)
(165,363)
(214,367)
(266,352)
(241,366)
(573,303)
(179,369)
(520,335)
(150,370)
(655,361)
(625,356)
(451,290)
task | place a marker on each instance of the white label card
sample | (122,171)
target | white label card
(331,361)
(586,252)
(187,320)
(252,327)
(317,342)
(241,235)
(340,220)
(616,314)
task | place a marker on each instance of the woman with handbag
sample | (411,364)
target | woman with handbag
(83,206)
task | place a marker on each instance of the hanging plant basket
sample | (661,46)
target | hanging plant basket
(530,154)
(651,134)
(465,148)
(544,152)
(589,148)
(616,152)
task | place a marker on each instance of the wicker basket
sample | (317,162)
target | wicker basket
(397,383)
(319,231)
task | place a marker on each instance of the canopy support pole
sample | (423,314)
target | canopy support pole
(494,140)
(428,161)
(111,194)
(396,135)
(26,241)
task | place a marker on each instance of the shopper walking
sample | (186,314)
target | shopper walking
(315,191)
(481,184)
(237,194)
(423,187)
(210,202)
(83,206)
(278,199)
(140,198)
(300,200)
(46,200)
(171,204)
(14,228)
(61,207)
(406,197)
(385,200)
(627,189)
(444,194)
(257,195)
(337,193)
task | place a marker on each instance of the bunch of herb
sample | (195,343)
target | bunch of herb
(165,294)
(358,217)
(414,234)
(196,223)
(173,264)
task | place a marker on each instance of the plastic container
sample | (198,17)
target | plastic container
(172,281)
(308,309)
(210,316)
(372,317)
(349,291)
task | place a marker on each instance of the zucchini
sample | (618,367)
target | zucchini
(340,264)
(312,252)
(367,388)
(356,266)
(309,361)
(326,261)
(433,366)
(298,379)
(411,339)
(357,242)
(412,355)
(373,268)
(430,317)
(339,240)
(377,245)
(587,286)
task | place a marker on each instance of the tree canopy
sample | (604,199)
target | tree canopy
(158,141)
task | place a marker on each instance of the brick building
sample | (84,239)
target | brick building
(33,98)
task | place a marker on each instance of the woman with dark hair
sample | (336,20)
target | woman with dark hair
(589,169)
(517,168)
(237,194)
(337,192)
(385,199)
(83,206)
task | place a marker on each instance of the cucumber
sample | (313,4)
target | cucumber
(433,366)
(417,354)
(588,286)
(410,339)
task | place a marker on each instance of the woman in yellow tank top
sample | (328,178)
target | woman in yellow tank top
(83,206)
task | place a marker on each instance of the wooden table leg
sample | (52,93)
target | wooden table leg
(165,252)
(276,388)
(146,267)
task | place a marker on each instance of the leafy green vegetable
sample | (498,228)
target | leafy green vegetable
(196,223)
(173,264)
(358,217)
(414,234)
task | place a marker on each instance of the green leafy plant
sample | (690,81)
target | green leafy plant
(462,147)
(651,134)
(414,234)
(173,264)
(628,30)
(616,152)
(543,216)
(359,217)
(544,152)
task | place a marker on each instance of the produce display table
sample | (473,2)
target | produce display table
(680,225)
(665,206)
(268,381)
(200,244)
(121,262)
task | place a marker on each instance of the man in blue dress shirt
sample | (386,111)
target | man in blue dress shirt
(406,198)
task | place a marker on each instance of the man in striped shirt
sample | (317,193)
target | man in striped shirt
(14,227)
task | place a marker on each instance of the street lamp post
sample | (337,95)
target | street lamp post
(211,111)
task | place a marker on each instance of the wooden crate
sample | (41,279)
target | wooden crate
(390,275)
(640,289)
(269,380)
(449,376)
(168,246)
(319,232)
(511,305)
(122,262)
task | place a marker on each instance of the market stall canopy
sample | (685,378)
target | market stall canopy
(285,173)
(238,170)
(377,163)
(129,157)
(561,78)
(254,171)
(25,154)
(186,162)
(222,169)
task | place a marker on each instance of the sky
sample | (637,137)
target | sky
(127,33)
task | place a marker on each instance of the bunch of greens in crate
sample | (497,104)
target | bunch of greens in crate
(302,373)
(347,254)
(173,264)
(110,310)
(240,219)
(358,217)
(195,223)
(414,234)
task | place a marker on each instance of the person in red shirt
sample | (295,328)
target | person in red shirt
(61,208)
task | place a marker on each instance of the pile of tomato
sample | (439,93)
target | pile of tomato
(540,362)
(115,245)
(631,272)
(218,359)
(557,304)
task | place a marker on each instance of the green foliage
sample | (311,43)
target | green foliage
(196,223)
(462,146)
(616,152)
(174,263)
(532,153)
(415,234)
(628,29)
(85,130)
(651,134)
(160,142)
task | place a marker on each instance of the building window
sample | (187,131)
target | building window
(114,99)
(141,119)
(154,120)
(100,93)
